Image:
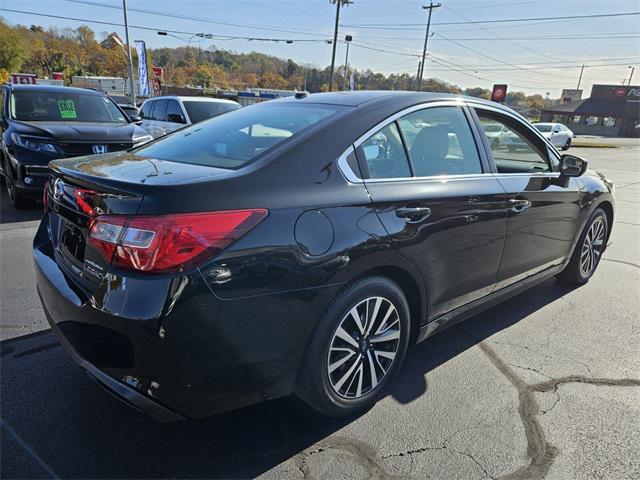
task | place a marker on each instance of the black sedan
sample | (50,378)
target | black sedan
(300,246)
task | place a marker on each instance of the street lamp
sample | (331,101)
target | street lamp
(127,52)
(347,39)
(633,69)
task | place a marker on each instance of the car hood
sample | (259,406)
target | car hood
(79,132)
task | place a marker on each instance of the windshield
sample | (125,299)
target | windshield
(232,140)
(64,107)
(542,127)
(199,111)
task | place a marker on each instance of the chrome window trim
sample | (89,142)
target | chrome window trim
(434,178)
(520,119)
(345,168)
(352,177)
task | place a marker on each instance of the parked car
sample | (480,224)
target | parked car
(495,133)
(132,112)
(557,134)
(302,245)
(162,115)
(39,123)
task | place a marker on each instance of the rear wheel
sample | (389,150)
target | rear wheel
(356,349)
(588,251)
(567,144)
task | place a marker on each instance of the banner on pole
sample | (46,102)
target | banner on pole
(352,83)
(143,79)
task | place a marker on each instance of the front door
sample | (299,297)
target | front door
(544,211)
(442,209)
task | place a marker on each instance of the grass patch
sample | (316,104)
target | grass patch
(593,145)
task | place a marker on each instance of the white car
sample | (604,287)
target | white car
(559,135)
(495,133)
(162,115)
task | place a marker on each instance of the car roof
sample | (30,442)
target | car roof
(363,97)
(197,99)
(52,88)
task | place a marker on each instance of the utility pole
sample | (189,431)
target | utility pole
(347,40)
(633,69)
(335,39)
(580,78)
(126,31)
(426,40)
(418,74)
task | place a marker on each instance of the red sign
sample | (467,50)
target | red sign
(24,78)
(158,72)
(499,93)
(57,75)
(620,92)
(157,85)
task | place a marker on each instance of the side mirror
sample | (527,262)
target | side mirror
(372,152)
(137,119)
(572,166)
(175,118)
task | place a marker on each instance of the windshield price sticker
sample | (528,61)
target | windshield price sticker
(67,109)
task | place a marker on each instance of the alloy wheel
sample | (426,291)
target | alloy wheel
(592,247)
(363,347)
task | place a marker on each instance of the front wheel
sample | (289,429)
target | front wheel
(356,349)
(588,251)
(567,144)
(15,197)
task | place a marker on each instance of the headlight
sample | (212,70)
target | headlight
(33,144)
(137,141)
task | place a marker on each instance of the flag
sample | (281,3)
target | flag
(142,68)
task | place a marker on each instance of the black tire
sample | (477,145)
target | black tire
(17,200)
(314,385)
(573,273)
(567,145)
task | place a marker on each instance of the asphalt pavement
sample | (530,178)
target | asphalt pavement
(546,385)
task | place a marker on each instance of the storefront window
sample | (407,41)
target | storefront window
(575,119)
(591,120)
(609,121)
(559,118)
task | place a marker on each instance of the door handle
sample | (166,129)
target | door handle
(518,205)
(414,214)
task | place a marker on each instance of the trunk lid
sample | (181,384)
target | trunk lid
(83,188)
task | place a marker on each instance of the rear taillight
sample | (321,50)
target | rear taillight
(169,243)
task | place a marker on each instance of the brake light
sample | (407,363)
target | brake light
(169,243)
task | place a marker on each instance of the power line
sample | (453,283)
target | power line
(271,28)
(504,20)
(179,32)
(599,36)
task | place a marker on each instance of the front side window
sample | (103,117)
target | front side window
(609,122)
(591,120)
(440,142)
(384,154)
(517,151)
(199,110)
(234,139)
(57,106)
(159,110)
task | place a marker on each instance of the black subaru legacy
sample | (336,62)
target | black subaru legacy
(40,123)
(300,246)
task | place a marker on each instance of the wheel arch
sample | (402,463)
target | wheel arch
(608,210)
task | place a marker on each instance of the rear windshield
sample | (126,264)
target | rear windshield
(64,107)
(233,139)
(199,111)
(542,127)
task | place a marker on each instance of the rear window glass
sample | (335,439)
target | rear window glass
(233,139)
(199,111)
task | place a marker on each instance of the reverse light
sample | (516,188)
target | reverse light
(169,243)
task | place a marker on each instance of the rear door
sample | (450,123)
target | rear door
(174,117)
(544,207)
(441,206)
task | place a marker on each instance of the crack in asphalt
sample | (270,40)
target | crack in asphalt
(631,264)
(541,452)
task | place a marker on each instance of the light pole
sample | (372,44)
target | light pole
(633,69)
(126,31)
(347,39)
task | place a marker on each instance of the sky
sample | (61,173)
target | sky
(388,35)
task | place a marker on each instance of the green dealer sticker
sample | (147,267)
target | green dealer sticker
(67,109)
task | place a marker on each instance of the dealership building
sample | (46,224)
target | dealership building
(611,110)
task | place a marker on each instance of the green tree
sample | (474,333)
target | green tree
(14,48)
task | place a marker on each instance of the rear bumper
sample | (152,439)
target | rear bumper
(169,346)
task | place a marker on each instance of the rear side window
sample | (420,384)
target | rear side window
(174,112)
(232,140)
(440,142)
(146,109)
(159,110)
(384,154)
(199,111)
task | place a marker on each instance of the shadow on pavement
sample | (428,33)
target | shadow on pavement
(76,430)
(8,214)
